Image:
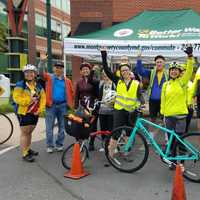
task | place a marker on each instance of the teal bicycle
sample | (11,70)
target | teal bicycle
(132,150)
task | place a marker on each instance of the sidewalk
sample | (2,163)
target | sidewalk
(38,134)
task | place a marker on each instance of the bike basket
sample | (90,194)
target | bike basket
(76,129)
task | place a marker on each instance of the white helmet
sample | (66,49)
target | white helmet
(109,98)
(30,67)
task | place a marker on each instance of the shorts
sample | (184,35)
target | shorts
(28,119)
(154,108)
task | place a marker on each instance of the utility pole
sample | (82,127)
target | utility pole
(49,52)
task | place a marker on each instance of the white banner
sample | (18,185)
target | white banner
(116,48)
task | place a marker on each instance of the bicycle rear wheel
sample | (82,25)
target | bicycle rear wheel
(191,167)
(136,156)
(6,128)
(68,153)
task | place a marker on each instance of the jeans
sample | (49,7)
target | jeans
(53,112)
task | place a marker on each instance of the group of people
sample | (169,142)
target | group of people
(170,93)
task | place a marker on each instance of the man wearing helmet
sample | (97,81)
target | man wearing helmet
(29,101)
(174,95)
(59,94)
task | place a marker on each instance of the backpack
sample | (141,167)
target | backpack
(12,102)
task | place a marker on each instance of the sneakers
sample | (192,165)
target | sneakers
(33,153)
(50,149)
(60,148)
(28,158)
(101,149)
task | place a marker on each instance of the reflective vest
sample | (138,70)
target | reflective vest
(127,99)
(152,77)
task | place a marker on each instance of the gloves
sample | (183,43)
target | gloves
(189,51)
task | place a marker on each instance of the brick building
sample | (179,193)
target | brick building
(34,34)
(92,15)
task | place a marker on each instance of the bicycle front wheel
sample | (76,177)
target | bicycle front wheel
(191,167)
(6,128)
(136,156)
(68,155)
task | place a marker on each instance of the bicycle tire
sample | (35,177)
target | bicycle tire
(68,153)
(191,167)
(5,119)
(140,148)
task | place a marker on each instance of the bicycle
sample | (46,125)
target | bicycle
(132,150)
(84,152)
(7,130)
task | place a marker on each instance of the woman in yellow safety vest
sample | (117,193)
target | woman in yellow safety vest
(127,99)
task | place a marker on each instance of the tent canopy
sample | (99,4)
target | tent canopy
(153,32)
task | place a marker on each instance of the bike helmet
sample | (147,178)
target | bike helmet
(109,98)
(30,67)
(175,65)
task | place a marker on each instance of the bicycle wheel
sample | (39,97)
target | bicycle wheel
(191,167)
(6,128)
(136,156)
(68,153)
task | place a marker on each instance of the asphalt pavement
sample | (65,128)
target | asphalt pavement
(44,179)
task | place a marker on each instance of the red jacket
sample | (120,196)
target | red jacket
(68,87)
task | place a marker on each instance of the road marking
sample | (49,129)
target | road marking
(7,149)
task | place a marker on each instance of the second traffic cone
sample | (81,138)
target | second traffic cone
(76,171)
(178,192)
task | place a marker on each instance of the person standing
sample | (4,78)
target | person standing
(107,96)
(156,77)
(59,95)
(29,102)
(174,106)
(127,100)
(87,87)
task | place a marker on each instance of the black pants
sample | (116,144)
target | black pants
(106,123)
(93,129)
(188,118)
(154,108)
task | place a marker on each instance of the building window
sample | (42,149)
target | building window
(65,30)
(40,22)
(66,6)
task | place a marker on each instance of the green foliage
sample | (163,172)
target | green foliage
(6,108)
(3,46)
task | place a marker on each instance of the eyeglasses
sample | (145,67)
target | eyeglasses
(124,70)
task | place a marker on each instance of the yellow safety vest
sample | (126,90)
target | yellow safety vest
(127,99)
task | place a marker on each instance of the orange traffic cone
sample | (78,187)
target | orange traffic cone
(76,171)
(178,192)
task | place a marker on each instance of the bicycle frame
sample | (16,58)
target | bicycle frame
(165,155)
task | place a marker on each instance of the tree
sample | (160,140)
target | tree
(3,46)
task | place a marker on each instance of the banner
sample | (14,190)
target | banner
(91,48)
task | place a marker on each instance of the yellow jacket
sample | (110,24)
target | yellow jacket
(174,93)
(22,98)
(195,82)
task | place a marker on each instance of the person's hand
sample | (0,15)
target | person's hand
(96,68)
(43,56)
(189,50)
